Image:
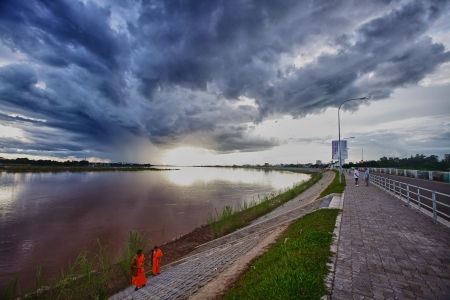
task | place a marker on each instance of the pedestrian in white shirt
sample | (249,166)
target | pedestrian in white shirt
(356,175)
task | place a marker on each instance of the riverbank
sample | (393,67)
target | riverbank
(172,252)
(207,272)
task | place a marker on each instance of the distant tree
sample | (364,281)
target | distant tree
(418,161)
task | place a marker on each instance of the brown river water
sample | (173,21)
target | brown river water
(47,219)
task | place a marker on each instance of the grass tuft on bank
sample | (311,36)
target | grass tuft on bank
(295,267)
(231,219)
(335,186)
(87,277)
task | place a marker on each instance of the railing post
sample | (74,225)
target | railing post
(390,187)
(407,195)
(393,188)
(418,199)
(434,207)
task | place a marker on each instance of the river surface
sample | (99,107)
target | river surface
(47,219)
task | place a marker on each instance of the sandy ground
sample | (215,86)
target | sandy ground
(220,285)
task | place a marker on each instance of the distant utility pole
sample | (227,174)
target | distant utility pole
(362,157)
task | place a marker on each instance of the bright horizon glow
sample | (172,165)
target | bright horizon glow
(309,139)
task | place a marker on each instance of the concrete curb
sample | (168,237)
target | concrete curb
(329,279)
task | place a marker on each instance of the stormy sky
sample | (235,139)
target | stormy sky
(235,81)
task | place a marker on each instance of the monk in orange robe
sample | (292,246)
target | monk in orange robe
(156,260)
(137,270)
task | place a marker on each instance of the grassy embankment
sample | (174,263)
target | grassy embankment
(231,219)
(294,268)
(88,277)
(335,186)
(14,169)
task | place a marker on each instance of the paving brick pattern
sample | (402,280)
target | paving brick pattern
(186,278)
(389,251)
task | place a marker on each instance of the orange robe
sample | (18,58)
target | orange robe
(156,261)
(138,278)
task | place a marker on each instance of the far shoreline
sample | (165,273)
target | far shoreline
(57,169)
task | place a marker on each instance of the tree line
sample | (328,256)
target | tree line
(417,162)
(68,163)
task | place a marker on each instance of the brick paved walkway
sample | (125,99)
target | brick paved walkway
(389,251)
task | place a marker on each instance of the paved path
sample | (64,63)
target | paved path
(388,251)
(425,195)
(185,277)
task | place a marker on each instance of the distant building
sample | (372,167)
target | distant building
(266,164)
(318,162)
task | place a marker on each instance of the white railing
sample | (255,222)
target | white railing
(428,175)
(426,201)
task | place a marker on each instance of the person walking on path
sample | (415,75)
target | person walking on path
(138,278)
(156,260)
(356,175)
(366,176)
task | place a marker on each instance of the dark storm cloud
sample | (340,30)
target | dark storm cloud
(174,71)
(389,49)
(62,33)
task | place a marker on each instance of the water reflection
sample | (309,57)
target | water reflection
(44,212)
(187,176)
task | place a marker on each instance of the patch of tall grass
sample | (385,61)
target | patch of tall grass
(231,219)
(335,186)
(295,266)
(136,241)
(87,277)
(12,290)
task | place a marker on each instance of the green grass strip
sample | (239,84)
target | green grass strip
(335,186)
(295,266)
(231,219)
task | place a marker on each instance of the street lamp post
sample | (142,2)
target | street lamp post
(339,128)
